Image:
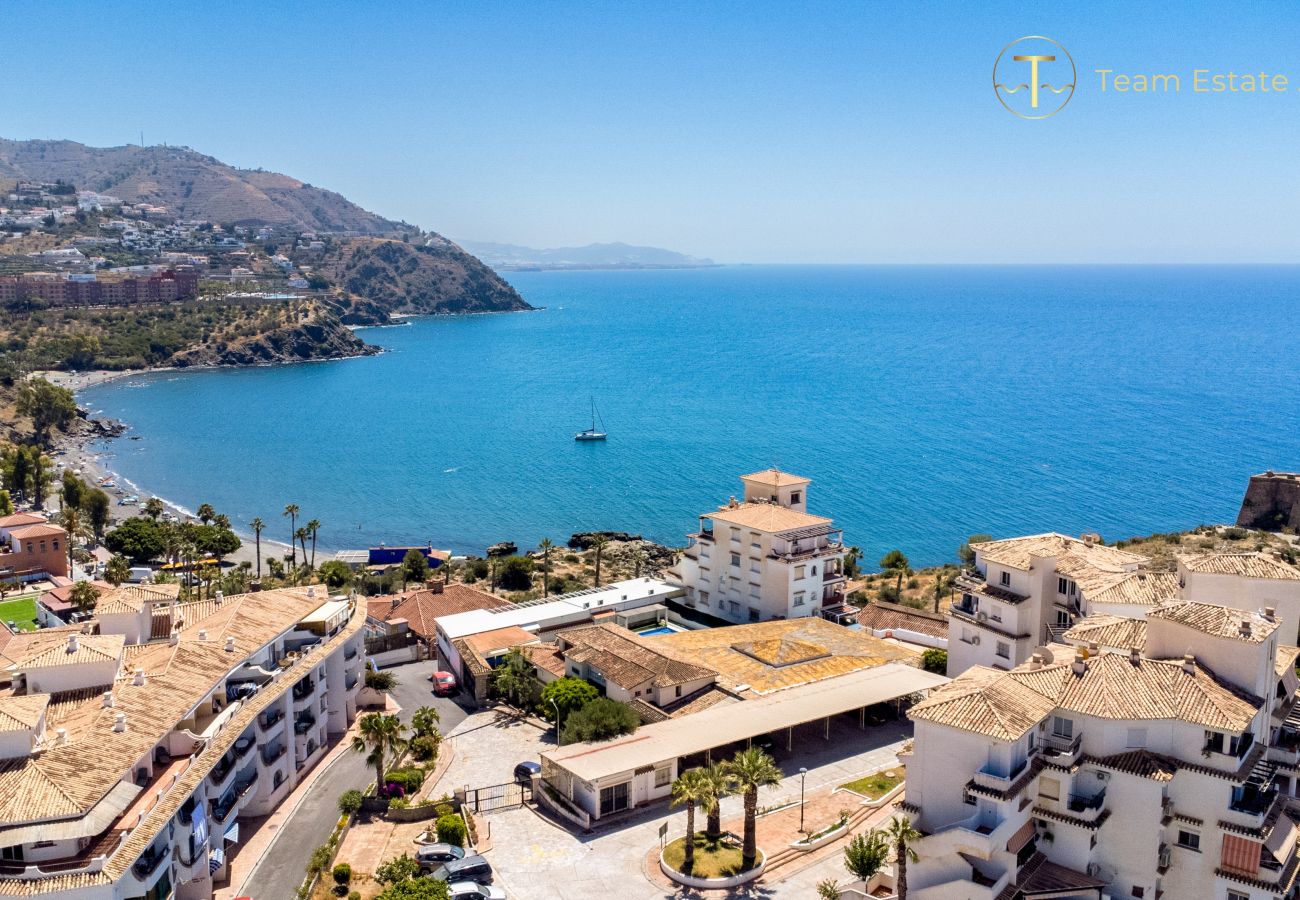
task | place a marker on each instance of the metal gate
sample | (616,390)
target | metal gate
(498,796)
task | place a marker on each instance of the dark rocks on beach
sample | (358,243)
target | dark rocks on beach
(585,540)
(502,548)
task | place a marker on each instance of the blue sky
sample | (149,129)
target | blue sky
(757,132)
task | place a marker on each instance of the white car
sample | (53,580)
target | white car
(468,890)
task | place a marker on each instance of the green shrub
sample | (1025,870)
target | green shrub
(399,803)
(320,859)
(342,874)
(425,747)
(445,809)
(408,779)
(350,802)
(354,895)
(600,720)
(397,870)
(1235,533)
(451,830)
(935,661)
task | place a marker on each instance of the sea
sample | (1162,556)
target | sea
(925,403)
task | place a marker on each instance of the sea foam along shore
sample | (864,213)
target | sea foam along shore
(73,452)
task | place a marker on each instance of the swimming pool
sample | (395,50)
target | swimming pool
(662,629)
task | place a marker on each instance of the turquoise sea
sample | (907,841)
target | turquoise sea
(926,403)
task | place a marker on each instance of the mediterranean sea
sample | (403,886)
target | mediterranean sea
(926,403)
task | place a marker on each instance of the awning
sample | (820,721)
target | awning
(232,833)
(1024,834)
(216,859)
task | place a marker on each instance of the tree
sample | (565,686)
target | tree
(350,802)
(291,510)
(900,834)
(336,574)
(417,889)
(48,406)
(866,853)
(153,508)
(515,573)
(852,556)
(966,553)
(424,721)
(138,538)
(73,490)
(600,720)
(828,889)
(84,596)
(378,736)
(6,504)
(205,513)
(312,527)
(598,543)
(690,788)
(721,784)
(70,518)
(567,695)
(935,661)
(751,770)
(415,567)
(546,547)
(301,535)
(257,525)
(97,507)
(380,681)
(397,870)
(514,678)
(117,571)
(895,563)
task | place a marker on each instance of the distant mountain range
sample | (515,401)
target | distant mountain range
(592,256)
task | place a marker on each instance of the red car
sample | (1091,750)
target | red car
(444,683)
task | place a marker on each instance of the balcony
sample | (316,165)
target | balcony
(807,551)
(1061,751)
(350,682)
(303,689)
(999,778)
(271,757)
(1087,807)
(246,784)
(243,746)
(974,583)
(304,724)
(148,863)
(271,719)
(350,652)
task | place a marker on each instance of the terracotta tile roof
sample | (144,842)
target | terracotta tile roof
(22,713)
(546,656)
(1116,632)
(1138,589)
(1218,621)
(1005,705)
(131,598)
(1142,763)
(768,517)
(23,518)
(700,700)
(1284,659)
(626,658)
(90,648)
(420,608)
(775,478)
(714,648)
(60,598)
(487,642)
(476,664)
(885,616)
(26,532)
(1021,552)
(1249,565)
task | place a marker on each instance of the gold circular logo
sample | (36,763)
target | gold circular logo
(1036,79)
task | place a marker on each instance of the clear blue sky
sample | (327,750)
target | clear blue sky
(748,131)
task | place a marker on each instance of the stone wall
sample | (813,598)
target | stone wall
(1272,501)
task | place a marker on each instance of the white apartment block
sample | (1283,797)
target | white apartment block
(764,557)
(133,746)
(1168,771)
(1028,591)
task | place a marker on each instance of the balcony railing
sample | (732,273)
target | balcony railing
(998,777)
(269,721)
(270,757)
(304,724)
(1061,750)
(1083,803)
(148,864)
(303,689)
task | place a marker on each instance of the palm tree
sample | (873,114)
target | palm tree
(752,769)
(514,680)
(638,561)
(257,525)
(291,510)
(901,834)
(598,544)
(378,735)
(117,571)
(312,527)
(545,546)
(70,516)
(153,508)
(84,596)
(424,722)
(690,788)
(895,563)
(206,513)
(301,535)
(721,784)
(221,520)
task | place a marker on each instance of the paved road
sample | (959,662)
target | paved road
(281,870)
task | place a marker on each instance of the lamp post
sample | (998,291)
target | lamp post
(803,777)
(558,739)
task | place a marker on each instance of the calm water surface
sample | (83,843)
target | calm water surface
(926,404)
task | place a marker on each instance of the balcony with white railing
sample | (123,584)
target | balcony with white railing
(999,777)
(1061,751)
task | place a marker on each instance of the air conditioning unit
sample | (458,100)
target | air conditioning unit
(981,617)
(975,640)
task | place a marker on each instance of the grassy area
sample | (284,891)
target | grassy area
(711,860)
(20,611)
(878,785)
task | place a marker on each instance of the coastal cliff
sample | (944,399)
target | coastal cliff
(322,336)
(1272,502)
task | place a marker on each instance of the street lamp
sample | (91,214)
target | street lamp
(803,777)
(558,739)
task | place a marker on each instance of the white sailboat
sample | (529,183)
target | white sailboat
(591,434)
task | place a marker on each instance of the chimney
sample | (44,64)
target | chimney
(139,676)
(1036,661)
(119,722)
(230,644)
(397,598)
(175,638)
(60,736)
(218,597)
(437,587)
(203,634)
(1080,664)
(1189,663)
(1134,655)
(108,699)
(311,593)
(1244,628)
(1094,648)
(1270,613)
(72,643)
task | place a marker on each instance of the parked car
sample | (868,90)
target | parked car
(468,890)
(444,683)
(471,868)
(525,771)
(430,856)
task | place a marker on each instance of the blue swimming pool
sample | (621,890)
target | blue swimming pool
(662,629)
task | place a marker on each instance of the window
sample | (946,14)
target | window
(1214,742)
(1049,788)
(679,690)
(1237,895)
(663,776)
(735,560)
(1004,650)
(966,636)
(1062,728)
(1060,585)
(994,611)
(1139,892)
(734,607)
(1189,839)
(798,572)
(613,798)
(704,598)
(1006,579)
(1063,619)
(1137,737)
(753,614)
(795,496)
(798,598)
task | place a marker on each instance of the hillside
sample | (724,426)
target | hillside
(593,256)
(191,186)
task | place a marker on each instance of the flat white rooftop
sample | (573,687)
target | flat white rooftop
(540,615)
(730,722)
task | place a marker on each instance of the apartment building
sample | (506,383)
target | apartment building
(31,547)
(133,745)
(765,557)
(1168,770)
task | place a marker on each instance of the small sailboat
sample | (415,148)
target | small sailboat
(591,434)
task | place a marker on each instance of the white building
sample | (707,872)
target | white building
(1163,772)
(131,750)
(1247,581)
(765,557)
